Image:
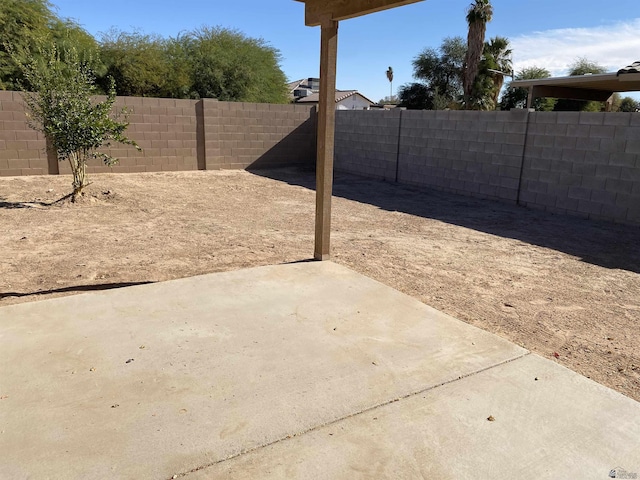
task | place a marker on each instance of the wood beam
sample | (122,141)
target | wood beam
(530,98)
(326,134)
(572,93)
(317,10)
(629,77)
(608,106)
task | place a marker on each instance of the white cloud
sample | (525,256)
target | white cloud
(613,46)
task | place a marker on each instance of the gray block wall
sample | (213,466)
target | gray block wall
(579,163)
(584,163)
(368,144)
(471,153)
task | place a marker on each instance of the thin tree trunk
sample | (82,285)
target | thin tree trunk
(79,170)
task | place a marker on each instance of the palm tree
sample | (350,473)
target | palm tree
(479,14)
(390,78)
(497,56)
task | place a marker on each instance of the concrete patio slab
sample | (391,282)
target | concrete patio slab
(211,375)
(156,380)
(559,426)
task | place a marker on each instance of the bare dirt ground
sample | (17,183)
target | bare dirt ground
(566,288)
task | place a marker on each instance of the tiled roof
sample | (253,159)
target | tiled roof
(633,68)
(293,85)
(340,95)
(315,97)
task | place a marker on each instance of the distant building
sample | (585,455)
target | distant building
(307,91)
(345,100)
(303,88)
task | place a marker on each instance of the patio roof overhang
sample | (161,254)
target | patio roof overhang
(598,87)
(317,11)
(327,14)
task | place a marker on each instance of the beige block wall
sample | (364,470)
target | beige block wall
(258,135)
(22,150)
(164,128)
(174,135)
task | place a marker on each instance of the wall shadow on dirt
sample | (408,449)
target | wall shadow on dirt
(76,288)
(297,149)
(11,205)
(33,203)
(600,243)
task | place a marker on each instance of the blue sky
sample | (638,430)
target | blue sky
(545,33)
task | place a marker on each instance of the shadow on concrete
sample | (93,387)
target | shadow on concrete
(76,288)
(295,262)
(600,243)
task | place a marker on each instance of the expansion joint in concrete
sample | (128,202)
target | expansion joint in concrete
(346,417)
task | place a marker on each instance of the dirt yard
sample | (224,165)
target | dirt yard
(565,288)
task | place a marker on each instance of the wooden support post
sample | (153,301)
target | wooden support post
(608,106)
(326,134)
(530,98)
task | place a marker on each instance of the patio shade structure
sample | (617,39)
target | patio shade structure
(327,14)
(597,87)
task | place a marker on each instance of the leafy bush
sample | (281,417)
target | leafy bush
(63,107)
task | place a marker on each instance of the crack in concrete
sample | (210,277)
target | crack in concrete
(346,417)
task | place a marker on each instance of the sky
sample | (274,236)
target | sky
(546,33)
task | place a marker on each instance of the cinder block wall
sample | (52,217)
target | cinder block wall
(585,164)
(368,144)
(258,135)
(174,135)
(22,150)
(164,128)
(470,153)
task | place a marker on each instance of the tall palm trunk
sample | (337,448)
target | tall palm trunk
(475,45)
(479,14)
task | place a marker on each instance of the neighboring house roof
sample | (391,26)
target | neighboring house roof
(633,68)
(294,85)
(303,88)
(597,87)
(340,95)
